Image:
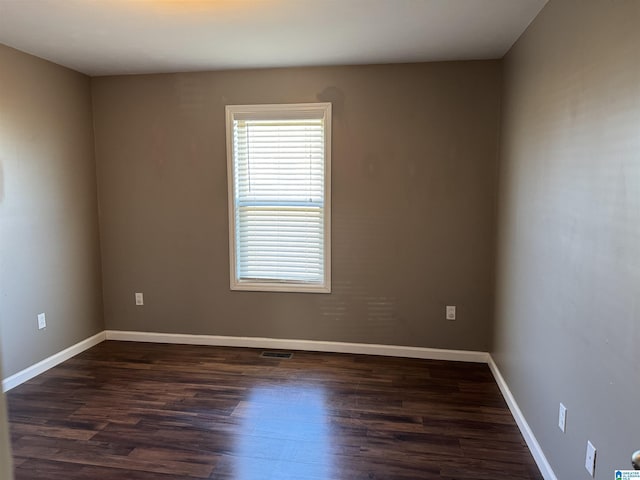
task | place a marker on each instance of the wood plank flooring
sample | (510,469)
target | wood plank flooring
(152,411)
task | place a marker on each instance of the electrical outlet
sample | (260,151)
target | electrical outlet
(42,321)
(451,312)
(139,299)
(562,418)
(590,460)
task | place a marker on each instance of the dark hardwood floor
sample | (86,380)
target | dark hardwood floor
(153,411)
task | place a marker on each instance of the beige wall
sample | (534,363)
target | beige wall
(414,153)
(50,259)
(568,309)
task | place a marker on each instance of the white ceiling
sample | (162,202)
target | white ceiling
(105,37)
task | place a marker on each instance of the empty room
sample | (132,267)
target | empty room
(319,240)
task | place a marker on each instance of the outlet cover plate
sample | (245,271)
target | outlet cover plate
(590,460)
(42,321)
(451,312)
(139,299)
(562,418)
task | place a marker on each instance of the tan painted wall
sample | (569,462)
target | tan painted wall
(50,258)
(568,309)
(414,154)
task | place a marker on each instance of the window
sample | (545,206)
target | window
(279,176)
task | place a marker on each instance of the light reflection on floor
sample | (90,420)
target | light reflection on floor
(285,434)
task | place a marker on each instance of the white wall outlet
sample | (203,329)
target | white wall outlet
(562,418)
(451,312)
(42,321)
(139,299)
(590,460)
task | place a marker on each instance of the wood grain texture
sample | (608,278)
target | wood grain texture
(142,411)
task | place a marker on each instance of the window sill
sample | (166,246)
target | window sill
(284,287)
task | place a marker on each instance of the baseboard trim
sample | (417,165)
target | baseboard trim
(309,345)
(527,433)
(50,362)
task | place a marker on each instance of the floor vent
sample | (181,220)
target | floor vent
(281,355)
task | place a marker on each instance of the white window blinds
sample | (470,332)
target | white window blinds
(278,197)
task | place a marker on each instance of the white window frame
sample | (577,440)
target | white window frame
(279,111)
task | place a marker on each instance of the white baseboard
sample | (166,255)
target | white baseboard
(309,345)
(529,437)
(50,362)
